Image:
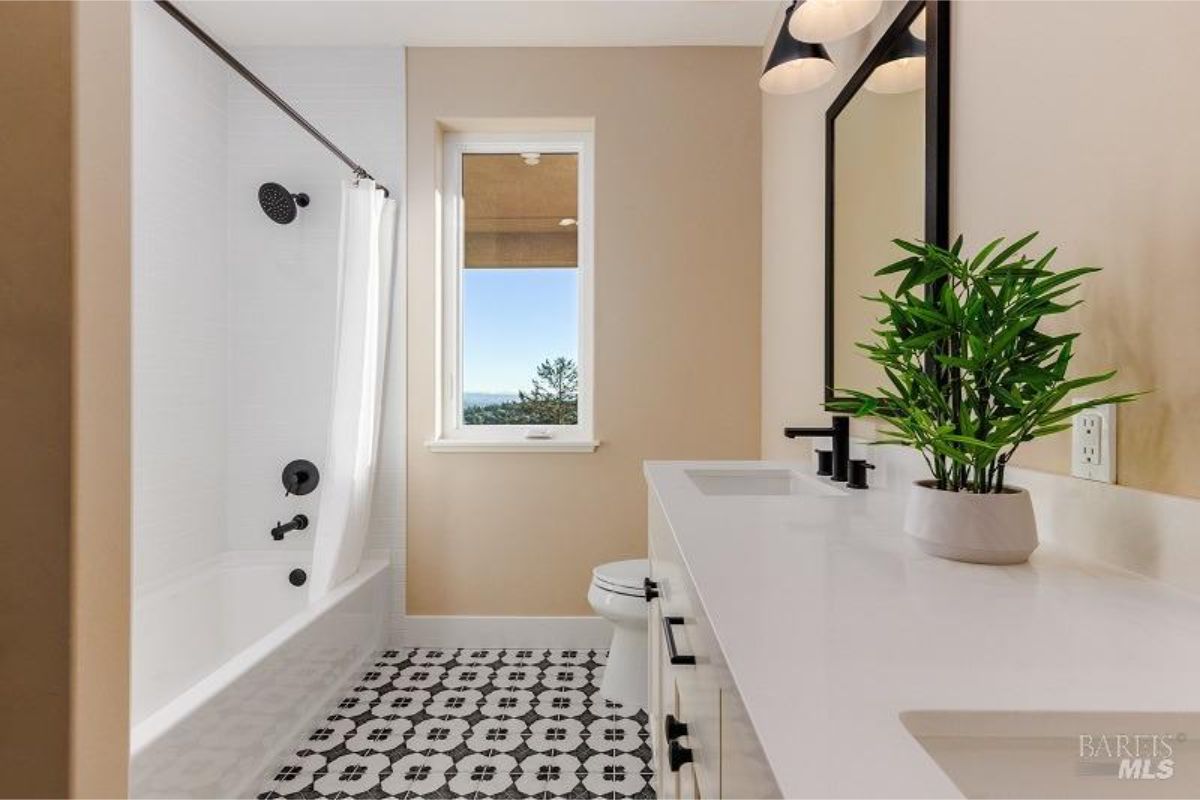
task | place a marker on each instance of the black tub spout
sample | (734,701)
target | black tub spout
(298,523)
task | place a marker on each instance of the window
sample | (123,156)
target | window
(516,293)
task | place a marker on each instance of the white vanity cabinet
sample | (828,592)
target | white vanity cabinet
(719,755)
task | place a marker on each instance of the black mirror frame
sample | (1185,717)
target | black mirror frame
(937,139)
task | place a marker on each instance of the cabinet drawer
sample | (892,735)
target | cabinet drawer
(699,706)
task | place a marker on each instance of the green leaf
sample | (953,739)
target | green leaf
(985,252)
(923,340)
(910,247)
(1007,252)
(1042,286)
(899,266)
(954,361)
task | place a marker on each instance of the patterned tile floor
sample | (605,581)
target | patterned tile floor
(448,723)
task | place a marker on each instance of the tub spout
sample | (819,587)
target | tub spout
(298,523)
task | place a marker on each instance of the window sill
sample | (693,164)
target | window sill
(512,446)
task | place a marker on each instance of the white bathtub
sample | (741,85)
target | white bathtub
(230,664)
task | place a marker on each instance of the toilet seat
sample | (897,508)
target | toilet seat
(623,577)
(624,592)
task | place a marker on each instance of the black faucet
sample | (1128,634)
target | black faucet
(298,523)
(839,432)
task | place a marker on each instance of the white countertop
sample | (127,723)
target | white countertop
(833,624)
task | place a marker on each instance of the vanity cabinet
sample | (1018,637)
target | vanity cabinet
(719,755)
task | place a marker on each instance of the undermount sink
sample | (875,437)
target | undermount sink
(1031,754)
(759,483)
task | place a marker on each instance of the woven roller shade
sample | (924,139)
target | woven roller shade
(514,211)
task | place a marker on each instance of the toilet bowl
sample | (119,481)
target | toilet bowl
(617,593)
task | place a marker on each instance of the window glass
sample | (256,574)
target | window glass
(520,289)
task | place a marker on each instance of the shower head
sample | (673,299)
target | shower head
(279,204)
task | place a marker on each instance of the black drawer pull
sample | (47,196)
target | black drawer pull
(674,728)
(651,589)
(678,755)
(672,649)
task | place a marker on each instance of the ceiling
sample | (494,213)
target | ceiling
(484,23)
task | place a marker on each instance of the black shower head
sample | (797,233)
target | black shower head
(280,204)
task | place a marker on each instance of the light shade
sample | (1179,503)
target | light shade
(904,69)
(830,20)
(794,66)
(917,29)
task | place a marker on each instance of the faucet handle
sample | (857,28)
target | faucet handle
(858,473)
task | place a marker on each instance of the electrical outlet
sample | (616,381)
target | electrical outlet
(1094,443)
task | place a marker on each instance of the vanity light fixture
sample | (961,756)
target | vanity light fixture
(830,20)
(794,66)
(917,28)
(903,70)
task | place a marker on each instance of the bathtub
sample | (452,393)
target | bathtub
(231,664)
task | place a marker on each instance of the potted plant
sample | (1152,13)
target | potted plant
(972,376)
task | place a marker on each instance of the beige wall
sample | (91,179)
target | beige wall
(1051,131)
(677,315)
(64,404)
(1098,153)
(35,398)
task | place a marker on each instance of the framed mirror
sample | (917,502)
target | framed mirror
(887,154)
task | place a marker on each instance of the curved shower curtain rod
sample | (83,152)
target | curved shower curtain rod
(253,80)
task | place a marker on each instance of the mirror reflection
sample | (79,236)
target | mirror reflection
(879,195)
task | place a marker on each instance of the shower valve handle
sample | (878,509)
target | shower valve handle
(300,477)
(295,481)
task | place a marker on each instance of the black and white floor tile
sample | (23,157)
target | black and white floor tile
(451,723)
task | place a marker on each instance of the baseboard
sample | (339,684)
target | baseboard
(577,633)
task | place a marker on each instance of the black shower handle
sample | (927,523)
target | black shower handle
(297,478)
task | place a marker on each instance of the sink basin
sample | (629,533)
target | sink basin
(1020,754)
(759,483)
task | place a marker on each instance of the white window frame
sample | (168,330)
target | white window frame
(451,435)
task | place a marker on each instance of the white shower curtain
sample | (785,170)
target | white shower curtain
(367,252)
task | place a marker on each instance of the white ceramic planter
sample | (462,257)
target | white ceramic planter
(980,528)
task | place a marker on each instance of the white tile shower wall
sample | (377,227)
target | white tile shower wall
(179,298)
(283,282)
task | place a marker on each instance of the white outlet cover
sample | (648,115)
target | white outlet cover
(1094,443)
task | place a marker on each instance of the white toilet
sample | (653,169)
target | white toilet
(618,594)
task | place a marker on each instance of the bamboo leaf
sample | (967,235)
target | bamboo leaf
(985,252)
(899,266)
(1007,252)
(1042,286)
(916,249)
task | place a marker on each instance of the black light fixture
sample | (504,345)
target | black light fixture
(903,70)
(795,66)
